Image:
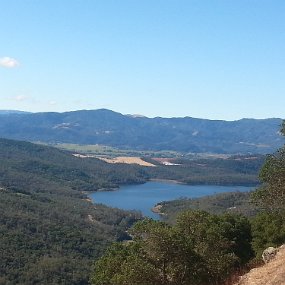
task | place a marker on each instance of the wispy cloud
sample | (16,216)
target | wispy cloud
(8,62)
(19,98)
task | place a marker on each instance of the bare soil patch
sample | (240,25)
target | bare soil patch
(128,160)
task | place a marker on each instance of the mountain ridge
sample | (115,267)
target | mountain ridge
(12,111)
(106,127)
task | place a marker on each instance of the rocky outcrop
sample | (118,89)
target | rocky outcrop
(269,253)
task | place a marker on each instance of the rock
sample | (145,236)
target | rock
(269,253)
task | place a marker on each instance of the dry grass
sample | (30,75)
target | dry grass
(128,160)
(272,273)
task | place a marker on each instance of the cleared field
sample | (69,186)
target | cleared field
(108,151)
(128,160)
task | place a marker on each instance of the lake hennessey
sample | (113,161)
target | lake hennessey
(143,197)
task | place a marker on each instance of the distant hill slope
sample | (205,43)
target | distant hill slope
(49,232)
(124,131)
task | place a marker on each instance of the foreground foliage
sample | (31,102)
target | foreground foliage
(269,226)
(199,249)
(271,196)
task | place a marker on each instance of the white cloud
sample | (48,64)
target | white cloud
(19,98)
(52,103)
(8,62)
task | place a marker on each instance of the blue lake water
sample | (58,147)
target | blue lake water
(143,197)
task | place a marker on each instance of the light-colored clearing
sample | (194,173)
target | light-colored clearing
(128,160)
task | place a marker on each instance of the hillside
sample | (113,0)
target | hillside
(272,273)
(123,131)
(230,202)
(234,170)
(49,232)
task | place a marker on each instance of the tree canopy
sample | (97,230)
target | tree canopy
(271,195)
(199,249)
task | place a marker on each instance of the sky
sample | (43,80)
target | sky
(214,59)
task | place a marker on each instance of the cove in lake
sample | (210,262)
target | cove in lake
(143,197)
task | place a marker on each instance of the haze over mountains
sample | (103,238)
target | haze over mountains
(137,132)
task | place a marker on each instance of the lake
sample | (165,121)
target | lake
(143,197)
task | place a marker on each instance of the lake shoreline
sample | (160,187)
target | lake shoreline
(170,181)
(165,181)
(148,197)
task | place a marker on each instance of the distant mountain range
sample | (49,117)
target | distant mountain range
(137,132)
(8,112)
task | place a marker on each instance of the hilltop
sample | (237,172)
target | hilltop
(110,128)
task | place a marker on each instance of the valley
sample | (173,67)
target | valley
(48,224)
(62,205)
(142,142)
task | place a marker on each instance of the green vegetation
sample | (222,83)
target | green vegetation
(108,151)
(105,127)
(199,249)
(234,170)
(49,232)
(265,206)
(230,202)
(268,229)
(272,195)
(192,169)
(269,226)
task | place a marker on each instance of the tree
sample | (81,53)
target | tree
(268,227)
(171,252)
(222,241)
(200,249)
(271,195)
(123,264)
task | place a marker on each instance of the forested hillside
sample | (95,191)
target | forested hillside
(130,132)
(234,170)
(49,232)
(230,202)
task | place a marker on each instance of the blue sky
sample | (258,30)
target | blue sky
(206,58)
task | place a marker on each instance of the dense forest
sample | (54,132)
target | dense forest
(234,170)
(197,247)
(229,202)
(49,232)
